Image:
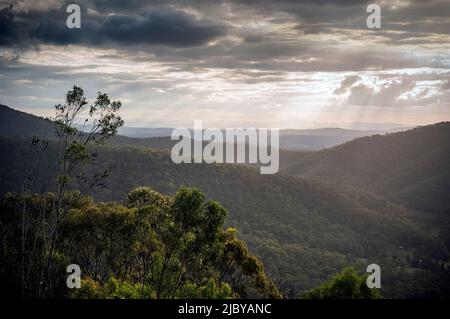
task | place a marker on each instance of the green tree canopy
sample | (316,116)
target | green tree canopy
(152,246)
(348,284)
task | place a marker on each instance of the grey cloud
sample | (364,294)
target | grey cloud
(388,95)
(445,85)
(346,83)
(336,13)
(167,27)
(8,31)
(152,29)
(163,27)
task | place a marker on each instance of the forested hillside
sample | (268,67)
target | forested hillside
(304,230)
(382,163)
(16,123)
(410,168)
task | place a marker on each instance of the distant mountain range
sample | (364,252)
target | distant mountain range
(379,199)
(144,132)
(308,139)
(290,139)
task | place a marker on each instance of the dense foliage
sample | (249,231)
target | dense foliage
(348,284)
(154,246)
(408,168)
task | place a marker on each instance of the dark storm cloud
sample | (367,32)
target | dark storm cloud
(163,27)
(167,27)
(155,28)
(7,32)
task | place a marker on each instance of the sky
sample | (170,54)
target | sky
(233,63)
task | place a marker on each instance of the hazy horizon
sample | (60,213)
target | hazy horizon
(357,126)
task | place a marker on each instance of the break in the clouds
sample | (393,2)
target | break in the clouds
(396,90)
(233,62)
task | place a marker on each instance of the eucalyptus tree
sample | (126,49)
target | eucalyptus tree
(79,125)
